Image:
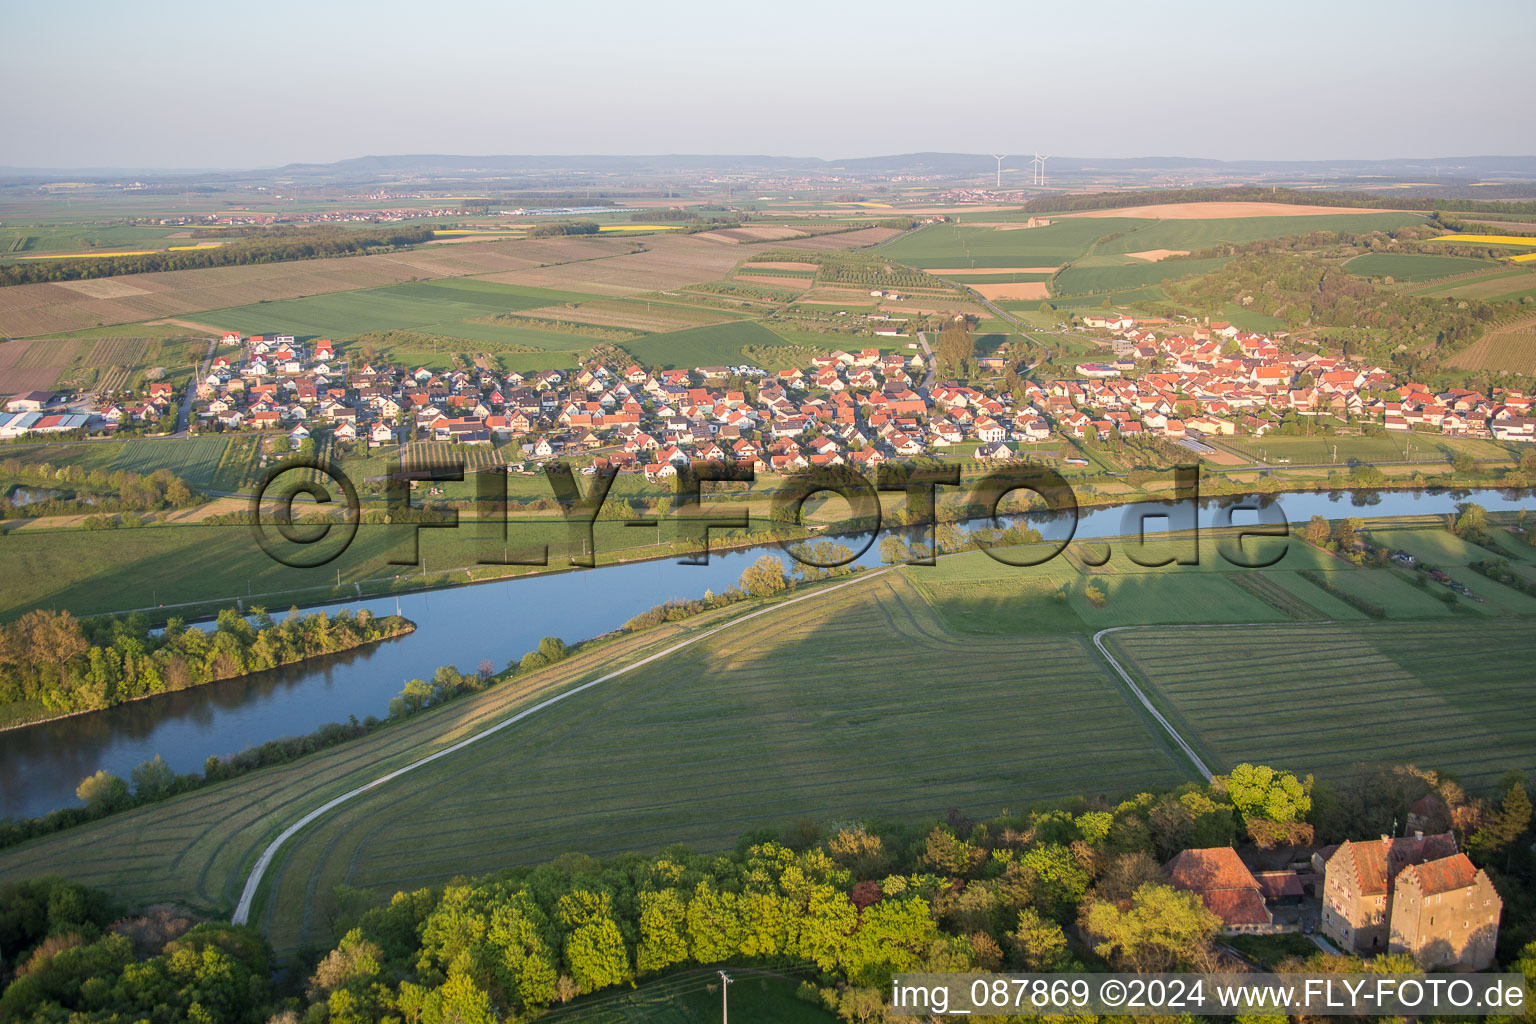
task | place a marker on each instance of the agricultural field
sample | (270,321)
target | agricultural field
(959,246)
(236,469)
(1394,693)
(1320,450)
(1510,347)
(1191,235)
(717,345)
(1080,279)
(1510,241)
(32,309)
(1251,320)
(1414,266)
(194,459)
(429,306)
(805,715)
(19,242)
(28,365)
(1499,284)
(426,454)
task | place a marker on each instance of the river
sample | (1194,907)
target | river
(40,765)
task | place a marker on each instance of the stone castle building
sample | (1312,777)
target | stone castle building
(1415,895)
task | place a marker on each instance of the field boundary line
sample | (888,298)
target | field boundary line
(253,882)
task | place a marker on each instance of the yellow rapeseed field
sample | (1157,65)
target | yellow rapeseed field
(1525,257)
(1488,239)
(84,255)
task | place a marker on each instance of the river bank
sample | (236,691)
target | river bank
(392,627)
(463,625)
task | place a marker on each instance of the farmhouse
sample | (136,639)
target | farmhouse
(1226,887)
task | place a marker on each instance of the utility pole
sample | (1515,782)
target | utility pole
(725,980)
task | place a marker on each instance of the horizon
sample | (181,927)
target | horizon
(1195,160)
(319,86)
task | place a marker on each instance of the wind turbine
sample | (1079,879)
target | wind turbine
(999,160)
(1039,165)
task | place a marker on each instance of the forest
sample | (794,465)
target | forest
(300,244)
(1073,885)
(1312,294)
(54,660)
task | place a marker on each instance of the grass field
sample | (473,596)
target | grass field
(429,306)
(91,572)
(857,704)
(1413,266)
(194,459)
(1320,450)
(715,345)
(1192,235)
(1078,280)
(1439,694)
(951,245)
(1497,284)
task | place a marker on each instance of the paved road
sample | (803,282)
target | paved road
(253,883)
(186,400)
(922,339)
(1136,691)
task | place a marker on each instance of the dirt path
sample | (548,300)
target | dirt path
(253,883)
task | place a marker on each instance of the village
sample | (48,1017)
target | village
(860,409)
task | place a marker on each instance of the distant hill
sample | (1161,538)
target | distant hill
(367,168)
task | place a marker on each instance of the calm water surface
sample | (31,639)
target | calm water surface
(41,764)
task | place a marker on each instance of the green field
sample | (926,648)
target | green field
(440,307)
(715,345)
(1413,266)
(92,572)
(1014,278)
(1078,280)
(1500,284)
(1342,451)
(856,704)
(194,459)
(18,241)
(1193,235)
(1325,697)
(951,245)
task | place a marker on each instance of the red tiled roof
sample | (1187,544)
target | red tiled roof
(1237,906)
(1277,884)
(1215,868)
(1445,874)
(1378,861)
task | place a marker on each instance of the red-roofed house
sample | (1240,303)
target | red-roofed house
(1226,887)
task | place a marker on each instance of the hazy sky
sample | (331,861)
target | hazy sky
(163,83)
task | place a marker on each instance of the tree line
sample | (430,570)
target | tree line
(1065,886)
(304,244)
(89,491)
(56,662)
